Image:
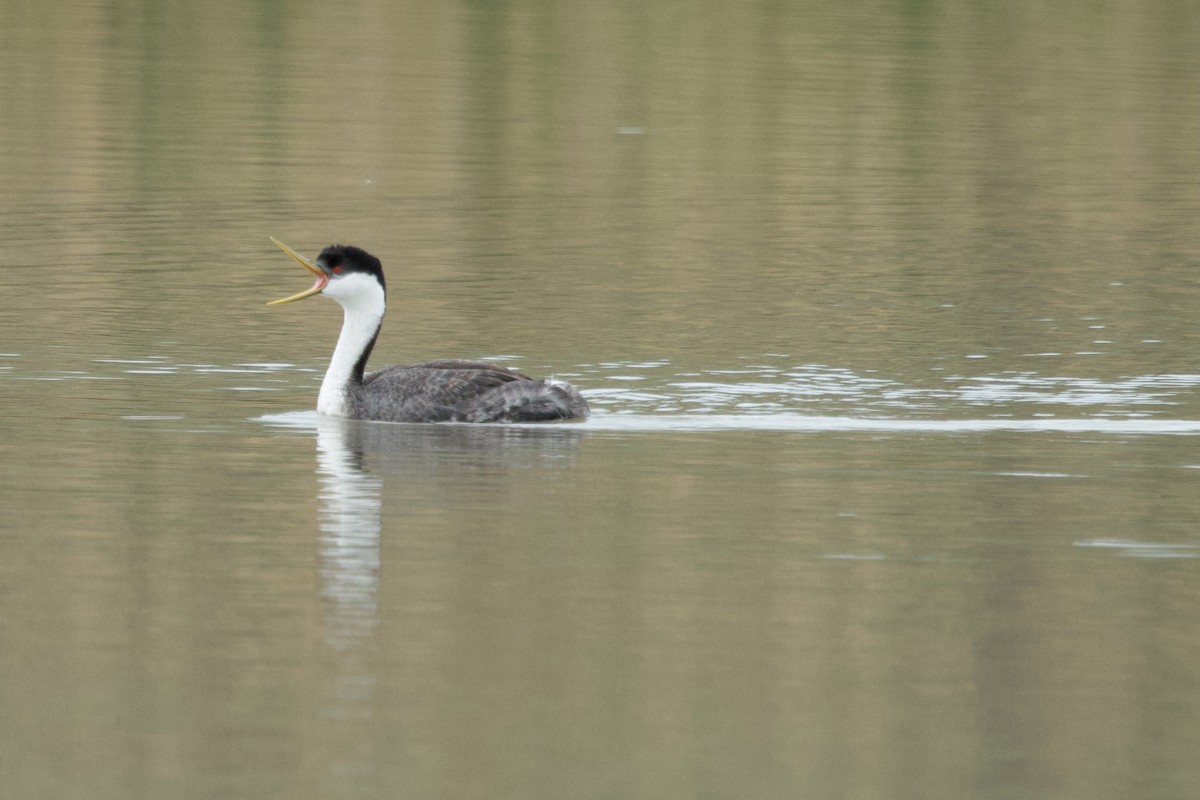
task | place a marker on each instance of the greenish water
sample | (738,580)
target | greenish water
(887,314)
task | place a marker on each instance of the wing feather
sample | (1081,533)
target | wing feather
(470,391)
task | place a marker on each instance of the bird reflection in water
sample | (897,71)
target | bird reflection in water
(350,502)
(353,460)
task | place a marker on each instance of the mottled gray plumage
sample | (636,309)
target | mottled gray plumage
(435,391)
(463,391)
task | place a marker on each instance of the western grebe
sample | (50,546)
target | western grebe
(435,391)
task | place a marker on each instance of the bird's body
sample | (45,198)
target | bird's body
(433,391)
(459,391)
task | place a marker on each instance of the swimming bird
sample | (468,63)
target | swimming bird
(434,391)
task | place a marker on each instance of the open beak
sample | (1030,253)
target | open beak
(322,277)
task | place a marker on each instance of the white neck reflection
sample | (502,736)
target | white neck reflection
(349,520)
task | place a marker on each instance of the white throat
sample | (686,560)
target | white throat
(363,302)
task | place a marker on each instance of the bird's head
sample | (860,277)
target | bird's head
(345,273)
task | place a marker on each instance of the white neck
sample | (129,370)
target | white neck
(363,302)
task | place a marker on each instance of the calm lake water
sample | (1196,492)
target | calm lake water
(889,315)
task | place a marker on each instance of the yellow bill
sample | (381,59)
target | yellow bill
(322,277)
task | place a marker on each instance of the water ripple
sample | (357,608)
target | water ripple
(831,392)
(812,423)
(1134,549)
(628,395)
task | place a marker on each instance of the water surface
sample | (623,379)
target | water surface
(887,316)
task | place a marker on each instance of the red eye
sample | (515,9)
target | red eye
(337,270)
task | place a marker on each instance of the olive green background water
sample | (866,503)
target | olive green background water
(888,314)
